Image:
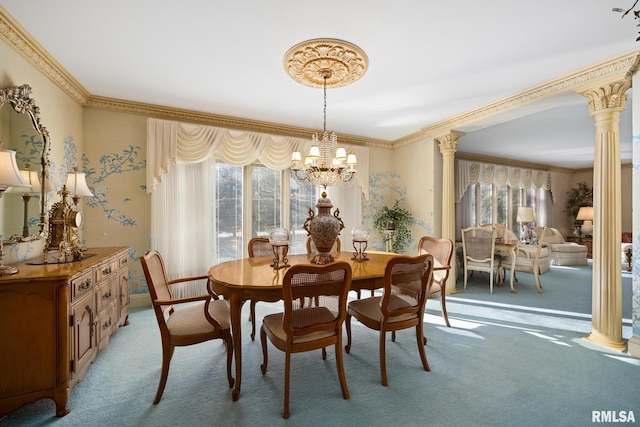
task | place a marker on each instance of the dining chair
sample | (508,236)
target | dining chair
(528,261)
(191,324)
(258,246)
(401,305)
(442,251)
(303,328)
(478,247)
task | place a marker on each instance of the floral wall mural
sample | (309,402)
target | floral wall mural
(384,192)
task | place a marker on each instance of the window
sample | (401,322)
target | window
(229,186)
(493,204)
(250,202)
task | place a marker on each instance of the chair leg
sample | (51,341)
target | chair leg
(167,354)
(393,336)
(287,372)
(443,303)
(383,360)
(324,353)
(420,338)
(252,317)
(347,323)
(536,278)
(228,340)
(263,341)
(340,366)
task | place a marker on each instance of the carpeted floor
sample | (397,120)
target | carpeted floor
(508,360)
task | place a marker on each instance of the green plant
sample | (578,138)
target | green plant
(402,219)
(579,196)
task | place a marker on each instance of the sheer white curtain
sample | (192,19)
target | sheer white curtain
(182,221)
(181,179)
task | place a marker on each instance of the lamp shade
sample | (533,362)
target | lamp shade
(525,214)
(585,213)
(9,172)
(77,184)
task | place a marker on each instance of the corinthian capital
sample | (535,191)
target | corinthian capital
(610,96)
(449,141)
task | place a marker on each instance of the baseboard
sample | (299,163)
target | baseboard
(140,300)
(633,346)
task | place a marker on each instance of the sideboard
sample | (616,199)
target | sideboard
(54,318)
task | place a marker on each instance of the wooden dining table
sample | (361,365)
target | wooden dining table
(254,279)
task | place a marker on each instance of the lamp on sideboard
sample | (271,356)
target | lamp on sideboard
(524,217)
(585,214)
(9,177)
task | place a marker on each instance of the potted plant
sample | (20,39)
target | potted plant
(398,219)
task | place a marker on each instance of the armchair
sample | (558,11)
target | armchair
(563,252)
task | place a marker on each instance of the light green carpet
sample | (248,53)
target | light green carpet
(508,360)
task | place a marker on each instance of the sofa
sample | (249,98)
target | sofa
(563,252)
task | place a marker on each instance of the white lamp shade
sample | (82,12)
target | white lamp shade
(77,184)
(351,159)
(32,180)
(525,214)
(9,172)
(341,154)
(585,213)
(296,156)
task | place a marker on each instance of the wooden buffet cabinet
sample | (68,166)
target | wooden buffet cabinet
(54,318)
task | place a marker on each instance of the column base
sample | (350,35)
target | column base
(604,341)
(634,346)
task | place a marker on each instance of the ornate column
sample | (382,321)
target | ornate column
(448,148)
(605,105)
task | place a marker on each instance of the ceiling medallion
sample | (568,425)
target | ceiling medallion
(333,62)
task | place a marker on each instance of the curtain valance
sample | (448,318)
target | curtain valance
(471,173)
(168,142)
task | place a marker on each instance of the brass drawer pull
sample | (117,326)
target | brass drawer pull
(85,285)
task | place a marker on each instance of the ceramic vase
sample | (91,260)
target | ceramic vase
(323,229)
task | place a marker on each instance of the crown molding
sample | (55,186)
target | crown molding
(616,68)
(22,42)
(460,155)
(190,116)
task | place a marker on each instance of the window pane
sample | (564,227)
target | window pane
(266,192)
(303,197)
(228,212)
(501,205)
(485,207)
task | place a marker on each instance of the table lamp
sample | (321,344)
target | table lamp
(525,216)
(9,177)
(585,214)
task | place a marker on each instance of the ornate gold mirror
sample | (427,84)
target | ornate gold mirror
(23,212)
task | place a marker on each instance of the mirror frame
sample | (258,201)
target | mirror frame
(19,97)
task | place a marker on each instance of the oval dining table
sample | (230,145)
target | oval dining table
(254,279)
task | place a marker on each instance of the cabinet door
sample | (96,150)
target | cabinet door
(82,331)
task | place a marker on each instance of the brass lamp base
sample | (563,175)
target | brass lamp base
(6,270)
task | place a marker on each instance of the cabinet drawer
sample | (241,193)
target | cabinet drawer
(106,294)
(106,270)
(105,325)
(123,261)
(82,284)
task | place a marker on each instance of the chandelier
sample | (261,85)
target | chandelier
(331,63)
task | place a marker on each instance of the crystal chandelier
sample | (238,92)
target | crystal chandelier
(321,168)
(325,63)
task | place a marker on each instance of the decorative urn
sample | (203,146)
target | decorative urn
(323,229)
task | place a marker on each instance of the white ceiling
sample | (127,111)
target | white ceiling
(428,60)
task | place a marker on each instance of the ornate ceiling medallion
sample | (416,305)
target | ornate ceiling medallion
(339,61)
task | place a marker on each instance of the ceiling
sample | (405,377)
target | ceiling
(428,61)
